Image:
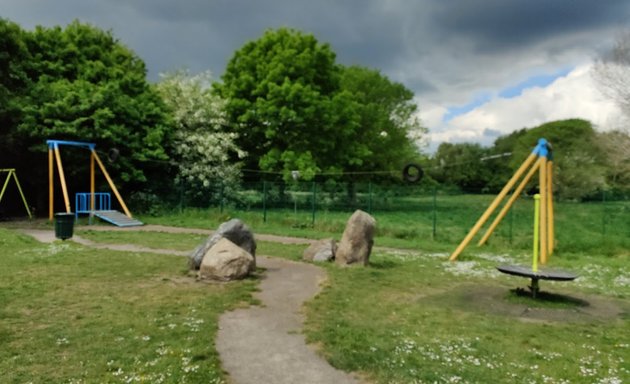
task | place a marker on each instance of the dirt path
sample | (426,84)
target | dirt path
(259,344)
(197,231)
(264,344)
(46,236)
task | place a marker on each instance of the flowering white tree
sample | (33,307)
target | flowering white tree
(205,155)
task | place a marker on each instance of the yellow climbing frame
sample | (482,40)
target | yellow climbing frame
(542,162)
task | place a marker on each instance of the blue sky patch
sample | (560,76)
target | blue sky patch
(479,100)
(540,81)
(533,81)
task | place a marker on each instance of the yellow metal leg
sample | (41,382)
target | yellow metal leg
(51,187)
(497,200)
(510,202)
(62,177)
(111,184)
(551,242)
(28,210)
(4,187)
(92,186)
(543,211)
(536,229)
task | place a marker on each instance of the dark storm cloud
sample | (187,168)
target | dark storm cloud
(498,24)
(448,49)
(358,31)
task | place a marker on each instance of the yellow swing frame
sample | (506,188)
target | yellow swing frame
(54,154)
(11,172)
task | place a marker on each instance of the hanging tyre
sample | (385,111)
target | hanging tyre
(412,173)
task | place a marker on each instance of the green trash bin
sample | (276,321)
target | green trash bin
(64,225)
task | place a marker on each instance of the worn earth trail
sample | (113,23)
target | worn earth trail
(259,344)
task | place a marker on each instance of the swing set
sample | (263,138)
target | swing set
(11,172)
(86,199)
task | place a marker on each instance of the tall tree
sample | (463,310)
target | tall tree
(612,73)
(284,100)
(87,86)
(389,128)
(461,165)
(205,155)
(616,147)
(579,162)
(14,56)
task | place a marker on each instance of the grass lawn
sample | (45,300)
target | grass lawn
(71,314)
(74,314)
(415,318)
(163,240)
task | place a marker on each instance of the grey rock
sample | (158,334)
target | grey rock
(226,261)
(321,250)
(357,240)
(234,230)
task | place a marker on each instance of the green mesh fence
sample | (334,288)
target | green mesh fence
(408,211)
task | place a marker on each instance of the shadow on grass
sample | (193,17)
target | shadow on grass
(545,299)
(497,300)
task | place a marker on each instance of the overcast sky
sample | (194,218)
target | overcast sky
(478,68)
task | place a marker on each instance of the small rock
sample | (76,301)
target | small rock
(234,230)
(321,250)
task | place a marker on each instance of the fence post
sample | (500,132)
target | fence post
(221,197)
(181,195)
(604,213)
(264,201)
(511,224)
(370,197)
(314,202)
(434,212)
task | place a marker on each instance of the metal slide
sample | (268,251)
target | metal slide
(117,218)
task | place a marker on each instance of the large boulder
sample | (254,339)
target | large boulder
(321,250)
(234,230)
(357,240)
(226,261)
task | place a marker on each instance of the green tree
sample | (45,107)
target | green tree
(13,86)
(500,160)
(206,157)
(284,100)
(616,147)
(462,165)
(87,86)
(389,129)
(579,164)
